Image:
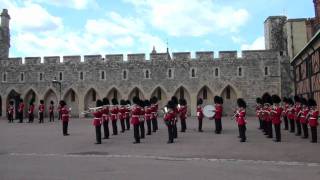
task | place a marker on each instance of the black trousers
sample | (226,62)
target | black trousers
(292,126)
(149,127)
(200,124)
(218,124)
(59,116)
(51,117)
(175,130)
(65,127)
(114,128)
(10,118)
(41,117)
(98,134)
(305,130)
(106,129)
(286,123)
(142,130)
(260,123)
(20,114)
(298,128)
(128,123)
(313,134)
(136,132)
(123,125)
(154,124)
(170,131)
(277,130)
(242,133)
(265,127)
(183,125)
(270,133)
(31,118)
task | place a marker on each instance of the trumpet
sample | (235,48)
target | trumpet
(93,109)
(234,116)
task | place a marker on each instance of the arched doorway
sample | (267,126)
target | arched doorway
(49,96)
(30,96)
(182,92)
(72,100)
(136,92)
(206,94)
(90,99)
(161,95)
(229,96)
(114,93)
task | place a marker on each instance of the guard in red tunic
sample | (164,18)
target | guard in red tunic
(169,117)
(51,111)
(10,111)
(313,119)
(147,115)
(285,107)
(200,114)
(135,118)
(41,111)
(128,114)
(154,115)
(176,112)
(303,118)
(64,117)
(298,111)
(31,111)
(267,100)
(59,112)
(97,120)
(105,118)
(20,111)
(241,120)
(218,114)
(122,115)
(114,116)
(183,114)
(276,116)
(141,119)
(290,115)
(259,106)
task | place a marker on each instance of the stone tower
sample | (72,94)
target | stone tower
(274,33)
(4,34)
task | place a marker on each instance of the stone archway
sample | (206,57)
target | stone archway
(230,97)
(114,93)
(182,92)
(31,95)
(161,95)
(72,100)
(49,96)
(90,98)
(136,92)
(206,94)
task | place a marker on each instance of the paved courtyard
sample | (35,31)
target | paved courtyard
(40,152)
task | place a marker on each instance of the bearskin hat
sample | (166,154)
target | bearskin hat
(241,103)
(304,101)
(147,103)
(259,100)
(136,100)
(216,99)
(266,98)
(51,102)
(312,103)
(105,101)
(99,103)
(174,100)
(122,102)
(62,103)
(128,102)
(170,104)
(276,99)
(114,101)
(297,99)
(41,101)
(199,101)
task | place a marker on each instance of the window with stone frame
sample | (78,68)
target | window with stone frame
(240,72)
(81,76)
(216,72)
(147,74)
(41,76)
(266,71)
(60,76)
(193,73)
(125,74)
(170,73)
(4,77)
(102,75)
(22,77)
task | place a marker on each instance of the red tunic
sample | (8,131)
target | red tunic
(127,112)
(31,109)
(199,112)
(297,110)
(141,117)
(122,113)
(135,114)
(267,114)
(219,110)
(313,119)
(276,114)
(290,113)
(114,113)
(304,114)
(51,109)
(154,111)
(258,110)
(105,115)
(97,118)
(10,110)
(65,114)
(240,117)
(183,112)
(41,108)
(147,113)
(21,107)
(170,116)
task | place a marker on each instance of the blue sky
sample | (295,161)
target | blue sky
(80,27)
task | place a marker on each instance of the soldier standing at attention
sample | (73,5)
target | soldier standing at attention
(41,111)
(141,119)
(183,114)
(30,111)
(218,115)
(285,107)
(290,115)
(97,121)
(240,118)
(128,114)
(122,115)
(51,111)
(114,116)
(313,119)
(200,114)
(169,120)
(259,111)
(20,110)
(303,118)
(147,115)
(176,113)
(297,110)
(135,115)
(154,115)
(64,117)
(267,100)
(10,111)
(105,118)
(276,116)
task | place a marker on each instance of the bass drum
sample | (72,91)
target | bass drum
(209,111)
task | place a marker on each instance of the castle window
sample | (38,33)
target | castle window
(170,73)
(205,93)
(40,76)
(228,92)
(22,77)
(4,77)
(240,72)
(94,96)
(147,74)
(266,71)
(193,73)
(81,76)
(124,74)
(73,96)
(102,75)
(60,76)
(216,72)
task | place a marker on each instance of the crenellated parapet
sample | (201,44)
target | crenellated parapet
(93,58)
(205,55)
(228,54)
(51,59)
(32,60)
(114,58)
(71,59)
(136,57)
(181,56)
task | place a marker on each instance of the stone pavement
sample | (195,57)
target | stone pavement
(39,151)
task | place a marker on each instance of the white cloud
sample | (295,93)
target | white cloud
(75,4)
(192,18)
(257,44)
